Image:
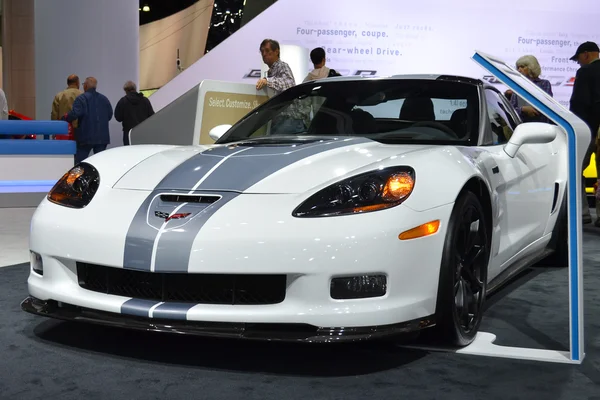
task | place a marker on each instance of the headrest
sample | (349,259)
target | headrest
(362,122)
(417,109)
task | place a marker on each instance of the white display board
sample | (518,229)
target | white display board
(222,103)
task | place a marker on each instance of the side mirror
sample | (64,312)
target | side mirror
(218,131)
(530,132)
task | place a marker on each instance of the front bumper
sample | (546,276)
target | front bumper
(310,253)
(285,332)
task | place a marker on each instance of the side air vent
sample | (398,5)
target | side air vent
(185,198)
(555,199)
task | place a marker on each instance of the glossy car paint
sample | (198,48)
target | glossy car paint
(253,231)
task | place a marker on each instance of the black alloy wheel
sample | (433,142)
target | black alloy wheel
(463,273)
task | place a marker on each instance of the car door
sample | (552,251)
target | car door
(522,186)
(572,145)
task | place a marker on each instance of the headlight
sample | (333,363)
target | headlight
(77,187)
(367,192)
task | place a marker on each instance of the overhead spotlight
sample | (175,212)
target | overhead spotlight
(146,8)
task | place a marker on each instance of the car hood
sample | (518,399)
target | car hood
(266,165)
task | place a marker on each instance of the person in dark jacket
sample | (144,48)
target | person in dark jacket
(585,103)
(93,112)
(132,109)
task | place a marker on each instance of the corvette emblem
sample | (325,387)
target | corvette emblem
(167,217)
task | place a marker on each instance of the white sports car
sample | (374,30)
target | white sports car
(346,208)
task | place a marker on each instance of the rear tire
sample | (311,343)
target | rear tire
(463,273)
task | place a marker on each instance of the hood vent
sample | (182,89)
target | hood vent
(188,198)
(279,141)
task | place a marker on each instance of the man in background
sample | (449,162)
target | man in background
(585,103)
(63,101)
(280,77)
(94,111)
(132,109)
(318,58)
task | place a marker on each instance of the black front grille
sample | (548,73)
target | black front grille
(183,287)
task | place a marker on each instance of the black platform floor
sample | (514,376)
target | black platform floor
(46,359)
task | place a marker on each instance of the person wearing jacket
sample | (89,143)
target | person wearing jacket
(132,109)
(93,112)
(63,101)
(585,103)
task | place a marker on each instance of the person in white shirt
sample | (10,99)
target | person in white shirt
(318,58)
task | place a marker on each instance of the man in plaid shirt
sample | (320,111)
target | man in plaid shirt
(279,78)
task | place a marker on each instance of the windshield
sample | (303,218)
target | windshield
(393,111)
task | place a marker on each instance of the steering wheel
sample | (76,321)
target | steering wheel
(437,125)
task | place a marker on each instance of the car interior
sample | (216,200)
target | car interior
(403,111)
(413,118)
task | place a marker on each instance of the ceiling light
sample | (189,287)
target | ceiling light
(146,8)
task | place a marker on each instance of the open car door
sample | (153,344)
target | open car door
(578,140)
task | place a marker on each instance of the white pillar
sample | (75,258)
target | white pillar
(98,38)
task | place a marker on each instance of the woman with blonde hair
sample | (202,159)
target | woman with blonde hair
(530,67)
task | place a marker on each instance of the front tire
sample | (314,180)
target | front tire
(463,273)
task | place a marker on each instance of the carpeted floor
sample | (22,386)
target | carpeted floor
(45,359)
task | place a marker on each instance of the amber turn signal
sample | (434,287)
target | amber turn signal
(420,231)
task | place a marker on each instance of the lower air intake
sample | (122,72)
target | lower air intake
(236,289)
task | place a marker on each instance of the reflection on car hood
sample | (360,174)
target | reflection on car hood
(273,165)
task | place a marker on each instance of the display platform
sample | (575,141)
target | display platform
(484,345)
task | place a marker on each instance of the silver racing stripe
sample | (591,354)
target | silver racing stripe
(245,165)
(138,307)
(141,235)
(156,309)
(172,311)
(246,169)
(145,228)
(192,170)
(174,245)
(237,168)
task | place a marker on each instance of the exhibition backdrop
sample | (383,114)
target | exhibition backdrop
(387,37)
(100,39)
